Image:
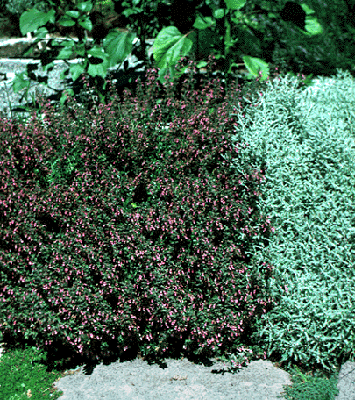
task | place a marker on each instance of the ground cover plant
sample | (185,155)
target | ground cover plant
(305,142)
(312,384)
(105,267)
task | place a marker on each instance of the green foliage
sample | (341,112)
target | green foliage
(316,388)
(284,43)
(22,376)
(169,233)
(17,7)
(169,46)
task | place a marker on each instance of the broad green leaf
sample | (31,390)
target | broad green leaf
(85,6)
(74,14)
(76,70)
(31,20)
(67,51)
(220,13)
(20,82)
(238,14)
(313,27)
(118,45)
(129,12)
(254,65)
(98,52)
(98,69)
(169,46)
(204,23)
(235,4)
(66,21)
(80,50)
(230,5)
(85,23)
(94,69)
(41,33)
(306,9)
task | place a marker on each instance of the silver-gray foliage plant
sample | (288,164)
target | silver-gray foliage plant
(305,140)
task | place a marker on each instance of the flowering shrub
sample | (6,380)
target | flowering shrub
(119,234)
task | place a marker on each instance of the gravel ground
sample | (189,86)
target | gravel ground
(181,379)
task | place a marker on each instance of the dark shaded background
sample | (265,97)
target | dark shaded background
(280,42)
